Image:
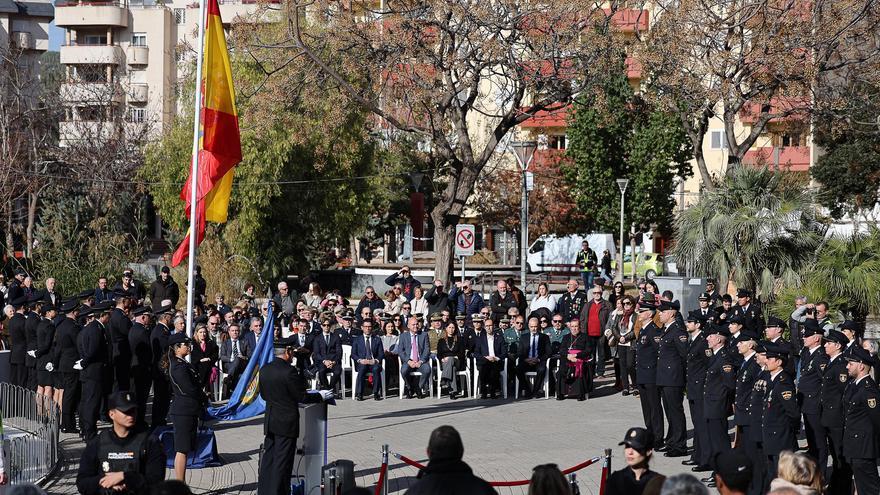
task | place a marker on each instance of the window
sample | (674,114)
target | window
(180,16)
(718,140)
(137,114)
(138,39)
(90,73)
(94,39)
(791,139)
(556,142)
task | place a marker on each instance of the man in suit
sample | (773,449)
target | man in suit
(283,387)
(327,357)
(490,352)
(32,321)
(234,354)
(367,352)
(533,351)
(49,295)
(303,342)
(255,329)
(414,351)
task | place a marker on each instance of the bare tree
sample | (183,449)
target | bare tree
(757,61)
(456,75)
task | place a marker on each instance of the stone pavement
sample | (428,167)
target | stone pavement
(503,440)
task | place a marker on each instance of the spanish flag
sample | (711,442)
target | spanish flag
(220,141)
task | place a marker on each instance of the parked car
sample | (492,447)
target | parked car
(647,264)
(550,251)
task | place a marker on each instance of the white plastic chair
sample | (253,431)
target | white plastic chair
(346,365)
(466,373)
(354,379)
(404,383)
(477,379)
(534,374)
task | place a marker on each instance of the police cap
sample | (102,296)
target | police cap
(69,305)
(858,355)
(836,337)
(639,439)
(178,338)
(775,322)
(122,401)
(102,307)
(811,327)
(669,306)
(776,351)
(743,293)
(849,325)
(733,466)
(140,310)
(705,297)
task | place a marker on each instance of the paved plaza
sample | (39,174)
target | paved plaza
(503,440)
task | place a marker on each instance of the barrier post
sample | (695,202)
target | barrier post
(573,484)
(385,462)
(606,470)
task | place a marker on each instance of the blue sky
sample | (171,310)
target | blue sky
(56,36)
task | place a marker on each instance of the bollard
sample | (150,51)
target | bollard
(606,471)
(385,462)
(573,484)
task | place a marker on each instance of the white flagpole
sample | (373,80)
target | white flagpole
(190,285)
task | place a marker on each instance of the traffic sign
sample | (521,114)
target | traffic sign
(465,238)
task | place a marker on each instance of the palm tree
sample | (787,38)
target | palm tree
(757,229)
(850,268)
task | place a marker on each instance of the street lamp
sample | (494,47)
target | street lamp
(524,151)
(621,183)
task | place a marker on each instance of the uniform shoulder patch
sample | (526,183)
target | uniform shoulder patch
(842,377)
(872,403)
(656,339)
(709,352)
(787,395)
(822,366)
(727,368)
(683,338)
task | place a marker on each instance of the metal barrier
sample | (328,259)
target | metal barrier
(33,455)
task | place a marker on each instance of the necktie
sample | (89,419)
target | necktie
(414,354)
(327,340)
(234,349)
(534,352)
(369,352)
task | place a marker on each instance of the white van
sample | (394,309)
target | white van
(549,251)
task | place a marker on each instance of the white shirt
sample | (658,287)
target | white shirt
(491,341)
(548,301)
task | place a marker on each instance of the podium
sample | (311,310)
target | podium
(311,448)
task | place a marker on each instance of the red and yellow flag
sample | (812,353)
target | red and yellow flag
(220,143)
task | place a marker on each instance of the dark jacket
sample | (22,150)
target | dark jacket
(781,417)
(462,305)
(720,385)
(283,387)
(322,350)
(139,343)
(834,382)
(230,365)
(188,397)
(697,362)
(120,325)
(570,305)
(454,347)
(18,338)
(481,350)
(446,476)
(525,343)
(139,481)
(861,436)
(409,283)
(46,349)
(32,321)
(94,349)
(438,300)
(646,355)
(745,387)
(203,368)
(672,356)
(753,318)
(810,383)
(66,335)
(159,291)
(374,304)
(53,297)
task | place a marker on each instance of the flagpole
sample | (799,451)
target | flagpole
(194,175)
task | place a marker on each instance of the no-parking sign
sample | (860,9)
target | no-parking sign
(465,238)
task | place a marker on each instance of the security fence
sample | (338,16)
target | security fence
(31,433)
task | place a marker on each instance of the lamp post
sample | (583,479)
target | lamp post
(621,183)
(524,151)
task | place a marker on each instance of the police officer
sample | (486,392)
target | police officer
(283,387)
(188,402)
(834,380)
(718,391)
(773,333)
(780,420)
(813,363)
(158,345)
(745,384)
(18,338)
(756,430)
(66,335)
(120,325)
(861,434)
(46,352)
(32,321)
(121,459)
(697,360)
(94,351)
(141,359)
(646,373)
(735,326)
(750,313)
(671,365)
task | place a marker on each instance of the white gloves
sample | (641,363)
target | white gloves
(326,395)
(608,333)
(49,367)
(32,354)
(78,365)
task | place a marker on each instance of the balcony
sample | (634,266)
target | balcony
(94,93)
(548,118)
(91,54)
(74,14)
(795,107)
(629,20)
(22,40)
(791,158)
(137,55)
(138,93)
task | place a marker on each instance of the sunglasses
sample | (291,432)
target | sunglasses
(557,321)
(627,304)
(325,324)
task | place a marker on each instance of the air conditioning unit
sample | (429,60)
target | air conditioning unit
(23,40)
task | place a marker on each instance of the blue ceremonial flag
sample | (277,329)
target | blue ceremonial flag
(246,401)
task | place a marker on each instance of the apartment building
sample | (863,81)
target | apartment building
(24,31)
(125,58)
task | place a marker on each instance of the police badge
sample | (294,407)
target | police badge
(105,467)
(786,395)
(872,403)
(842,378)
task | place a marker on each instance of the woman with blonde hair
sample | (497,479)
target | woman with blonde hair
(795,471)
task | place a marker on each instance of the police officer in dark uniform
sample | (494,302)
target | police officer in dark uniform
(834,380)
(158,346)
(46,350)
(736,328)
(861,434)
(724,311)
(697,360)
(813,363)
(283,387)
(18,342)
(141,359)
(66,335)
(122,459)
(750,313)
(188,403)
(780,420)
(32,321)
(745,385)
(671,365)
(756,430)
(646,373)
(718,391)
(773,333)
(120,325)
(94,351)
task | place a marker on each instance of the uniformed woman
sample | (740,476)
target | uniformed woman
(574,374)
(188,401)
